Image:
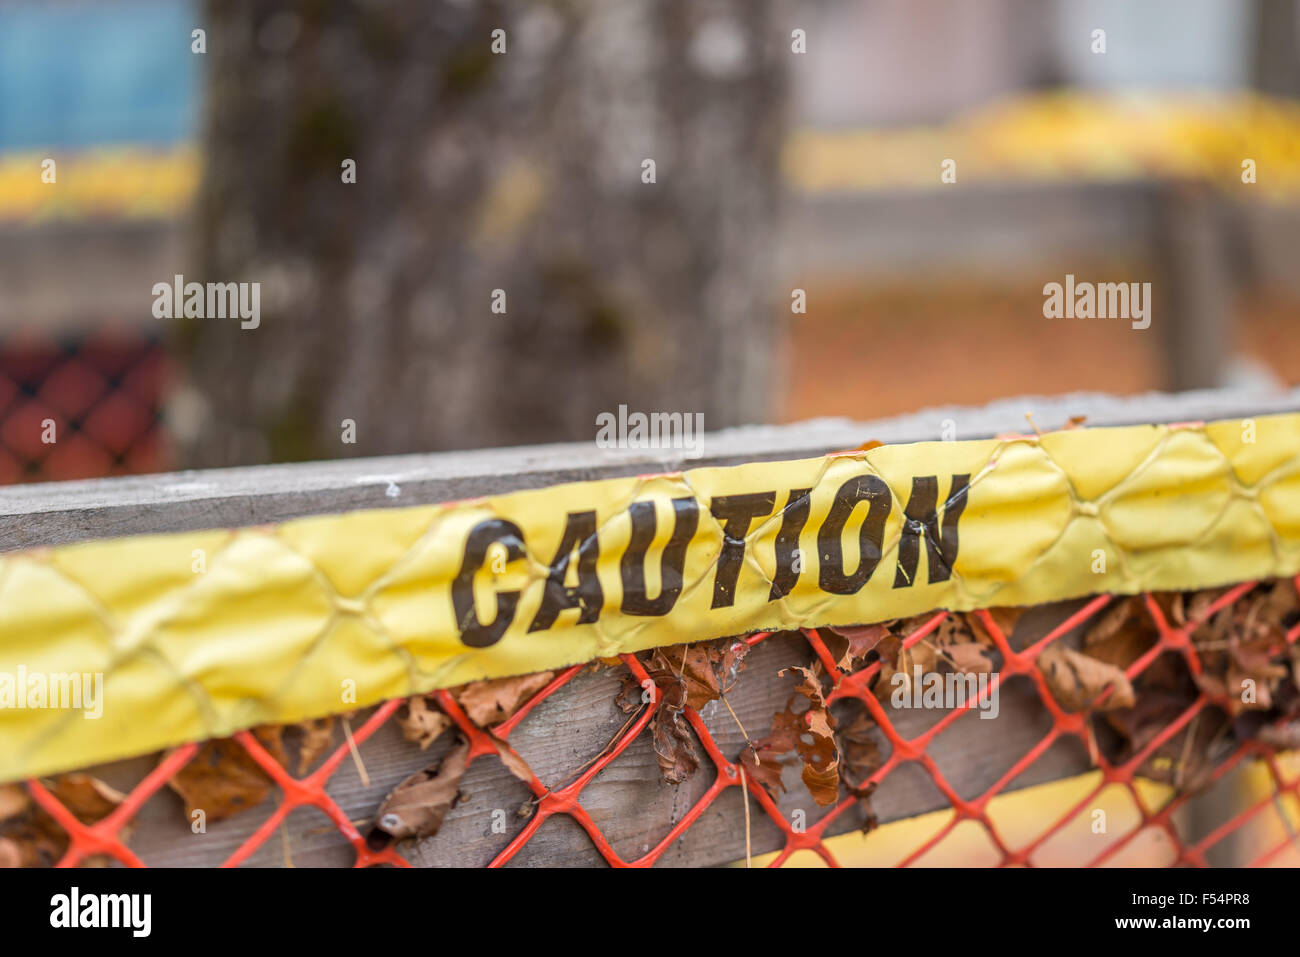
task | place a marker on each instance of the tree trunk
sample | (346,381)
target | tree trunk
(478,171)
(1277,47)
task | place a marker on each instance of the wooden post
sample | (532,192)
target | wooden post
(1192,286)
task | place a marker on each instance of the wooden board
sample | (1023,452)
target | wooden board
(629,802)
(54,513)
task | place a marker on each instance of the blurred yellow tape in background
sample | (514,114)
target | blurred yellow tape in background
(108,182)
(1067,136)
(1049,137)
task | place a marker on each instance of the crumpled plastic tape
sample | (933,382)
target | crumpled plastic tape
(200,634)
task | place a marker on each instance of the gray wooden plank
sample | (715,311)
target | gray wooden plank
(628,801)
(66,277)
(54,513)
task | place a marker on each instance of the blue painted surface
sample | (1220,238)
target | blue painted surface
(97,73)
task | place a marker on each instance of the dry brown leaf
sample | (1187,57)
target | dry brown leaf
(1265,679)
(422,724)
(1116,616)
(869,819)
(1239,643)
(14,800)
(814,737)
(33,840)
(923,655)
(969,658)
(787,726)
(223,779)
(671,738)
(764,766)
(1244,646)
(1281,603)
(686,676)
(690,666)
(860,750)
(821,772)
(674,745)
(316,738)
(1006,618)
(857,642)
(1217,627)
(631,696)
(513,762)
(87,797)
(733,662)
(1122,634)
(1256,663)
(417,807)
(953,630)
(488,703)
(1077,680)
(30,837)
(1178,609)
(11,853)
(962,631)
(1187,759)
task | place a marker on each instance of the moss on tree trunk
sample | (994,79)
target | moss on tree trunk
(475,172)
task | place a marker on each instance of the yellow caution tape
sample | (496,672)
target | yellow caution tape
(110,182)
(199,634)
(1066,135)
(1069,135)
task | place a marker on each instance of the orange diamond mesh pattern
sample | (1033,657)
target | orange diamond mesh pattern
(103,838)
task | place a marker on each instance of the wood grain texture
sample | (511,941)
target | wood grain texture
(628,801)
(55,513)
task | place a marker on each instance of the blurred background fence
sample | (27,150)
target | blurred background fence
(79,407)
(780,169)
(1121,165)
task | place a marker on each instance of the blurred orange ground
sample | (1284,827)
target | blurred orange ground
(881,351)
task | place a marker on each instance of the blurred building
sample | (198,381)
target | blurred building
(112,92)
(880,62)
(109,91)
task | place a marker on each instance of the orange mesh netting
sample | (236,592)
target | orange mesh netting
(104,837)
(100,396)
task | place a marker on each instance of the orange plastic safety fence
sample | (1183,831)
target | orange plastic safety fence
(100,396)
(103,838)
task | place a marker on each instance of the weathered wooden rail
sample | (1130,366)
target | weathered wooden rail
(628,801)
